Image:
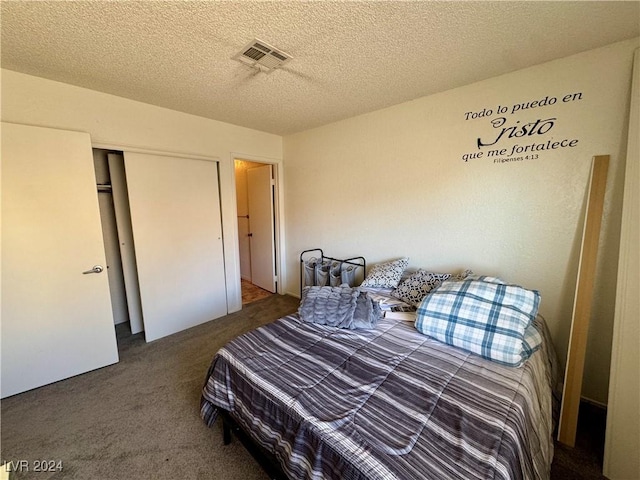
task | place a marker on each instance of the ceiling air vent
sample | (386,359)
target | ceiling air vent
(261,55)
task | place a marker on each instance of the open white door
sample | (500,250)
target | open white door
(261,223)
(177,234)
(56,321)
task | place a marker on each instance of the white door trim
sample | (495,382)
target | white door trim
(150,151)
(279,217)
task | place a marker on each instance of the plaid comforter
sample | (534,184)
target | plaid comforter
(385,403)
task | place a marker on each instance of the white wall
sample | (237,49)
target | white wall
(118,122)
(394,183)
(621,460)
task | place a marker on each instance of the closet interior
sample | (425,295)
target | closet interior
(117,231)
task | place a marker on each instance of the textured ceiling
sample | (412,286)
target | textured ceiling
(349,57)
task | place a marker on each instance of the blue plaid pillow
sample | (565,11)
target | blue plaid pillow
(483,315)
(531,341)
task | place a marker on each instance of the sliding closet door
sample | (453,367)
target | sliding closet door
(57,319)
(125,238)
(177,234)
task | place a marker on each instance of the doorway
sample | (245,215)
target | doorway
(117,234)
(172,277)
(257,228)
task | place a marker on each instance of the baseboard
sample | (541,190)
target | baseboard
(593,403)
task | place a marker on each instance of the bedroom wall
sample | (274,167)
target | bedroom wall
(622,442)
(118,122)
(409,181)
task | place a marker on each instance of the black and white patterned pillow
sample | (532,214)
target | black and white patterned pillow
(417,286)
(386,275)
(413,289)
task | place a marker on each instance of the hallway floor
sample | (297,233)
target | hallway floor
(251,292)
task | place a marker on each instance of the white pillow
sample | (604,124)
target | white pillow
(386,275)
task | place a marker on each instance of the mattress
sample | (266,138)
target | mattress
(384,403)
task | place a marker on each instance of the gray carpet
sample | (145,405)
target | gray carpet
(139,419)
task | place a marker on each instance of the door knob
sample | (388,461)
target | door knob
(95,269)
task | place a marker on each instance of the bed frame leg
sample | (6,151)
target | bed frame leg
(267,461)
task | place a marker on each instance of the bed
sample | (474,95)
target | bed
(384,403)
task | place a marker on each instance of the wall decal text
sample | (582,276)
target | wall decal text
(518,140)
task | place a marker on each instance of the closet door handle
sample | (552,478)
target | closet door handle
(95,269)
